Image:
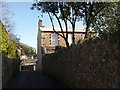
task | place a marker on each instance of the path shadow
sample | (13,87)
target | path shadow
(33,79)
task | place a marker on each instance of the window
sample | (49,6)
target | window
(54,39)
(70,39)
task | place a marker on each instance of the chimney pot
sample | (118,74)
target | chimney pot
(40,23)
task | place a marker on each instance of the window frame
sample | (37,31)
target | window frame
(52,39)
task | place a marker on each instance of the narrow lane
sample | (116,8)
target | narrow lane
(33,79)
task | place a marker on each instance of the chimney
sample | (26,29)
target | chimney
(40,23)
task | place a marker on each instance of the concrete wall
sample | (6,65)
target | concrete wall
(91,65)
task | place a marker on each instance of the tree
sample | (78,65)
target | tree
(27,50)
(90,11)
(7,46)
(3,38)
(11,49)
(62,11)
(70,12)
(5,17)
(107,21)
(52,9)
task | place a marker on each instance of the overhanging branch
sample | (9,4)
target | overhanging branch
(59,24)
(53,26)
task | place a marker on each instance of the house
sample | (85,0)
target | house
(49,39)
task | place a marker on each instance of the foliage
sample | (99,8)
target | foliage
(12,49)
(90,11)
(27,50)
(4,37)
(34,54)
(108,20)
(61,11)
(7,46)
(70,12)
(80,42)
(5,17)
(57,48)
(100,17)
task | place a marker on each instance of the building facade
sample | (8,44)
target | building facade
(49,39)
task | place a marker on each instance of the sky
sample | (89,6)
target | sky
(26,21)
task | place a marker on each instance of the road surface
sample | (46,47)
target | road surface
(33,79)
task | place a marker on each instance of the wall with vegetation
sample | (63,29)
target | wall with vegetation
(94,64)
(7,46)
(10,60)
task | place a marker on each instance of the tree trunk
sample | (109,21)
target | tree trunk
(67,43)
(86,32)
(73,33)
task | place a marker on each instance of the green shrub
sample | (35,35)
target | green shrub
(7,46)
(3,37)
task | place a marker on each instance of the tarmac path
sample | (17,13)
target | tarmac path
(33,79)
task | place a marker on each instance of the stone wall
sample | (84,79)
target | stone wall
(9,69)
(46,38)
(91,65)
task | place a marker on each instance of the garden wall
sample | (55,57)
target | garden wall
(9,69)
(91,65)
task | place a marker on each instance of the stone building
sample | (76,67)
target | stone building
(49,39)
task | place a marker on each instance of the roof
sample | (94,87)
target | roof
(49,29)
